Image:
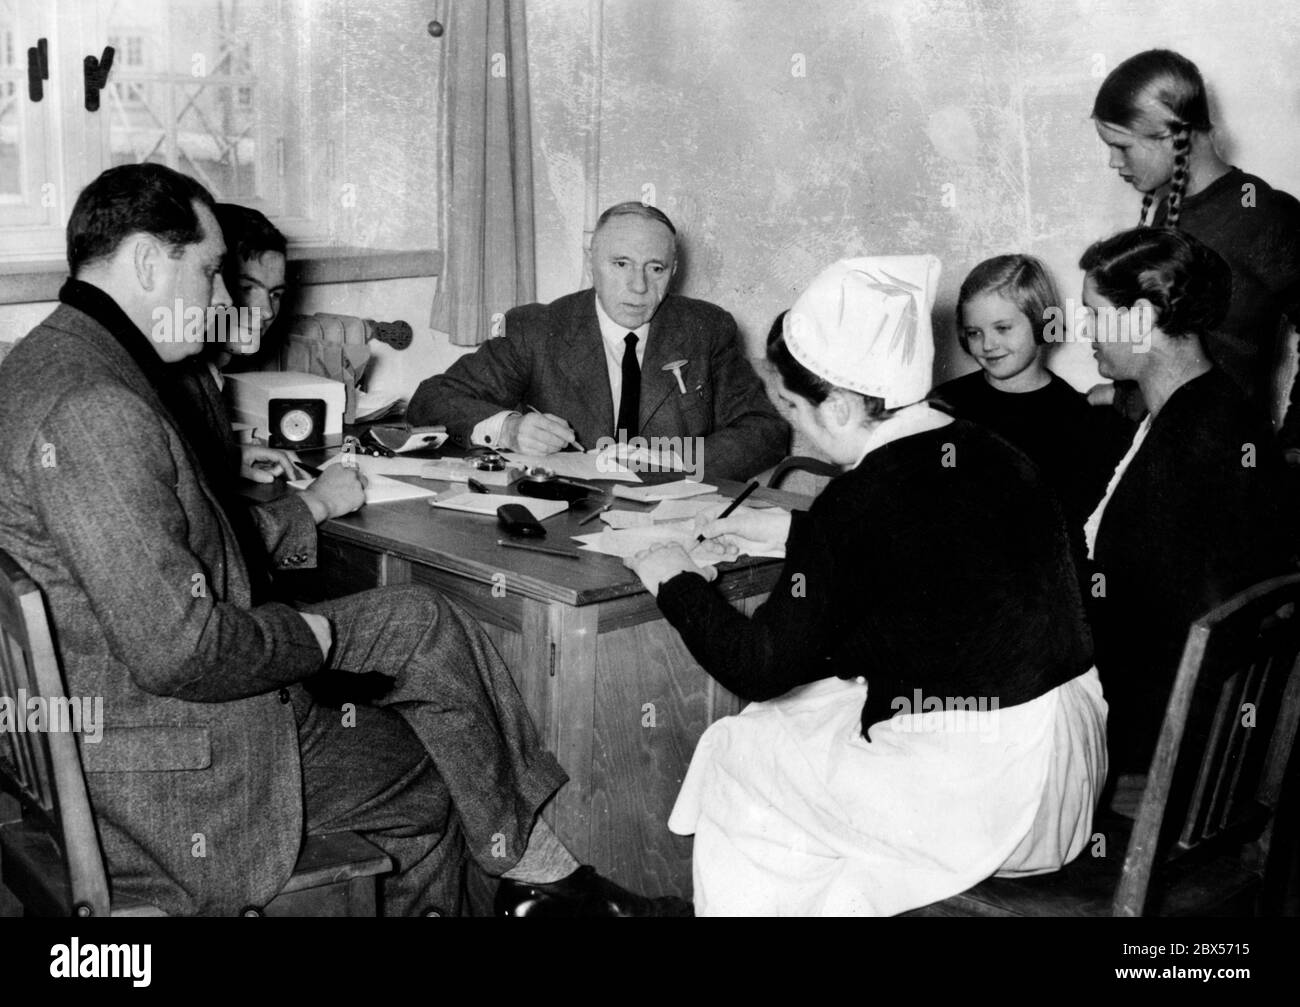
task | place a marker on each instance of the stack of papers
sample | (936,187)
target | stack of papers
(664,491)
(379,488)
(372,467)
(630,541)
(667,511)
(575,465)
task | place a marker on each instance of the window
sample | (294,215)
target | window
(205,86)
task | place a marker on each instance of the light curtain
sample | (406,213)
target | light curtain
(489,260)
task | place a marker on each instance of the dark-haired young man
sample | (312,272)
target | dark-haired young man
(253,271)
(213,760)
(621,361)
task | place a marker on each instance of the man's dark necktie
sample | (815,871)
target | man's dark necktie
(629,403)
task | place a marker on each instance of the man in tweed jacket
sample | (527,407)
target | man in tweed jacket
(213,760)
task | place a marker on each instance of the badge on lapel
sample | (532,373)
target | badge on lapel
(676,367)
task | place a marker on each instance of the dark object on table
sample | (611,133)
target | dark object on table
(595,514)
(534,547)
(518,520)
(296,423)
(740,499)
(544,488)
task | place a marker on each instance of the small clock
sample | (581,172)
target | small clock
(296,423)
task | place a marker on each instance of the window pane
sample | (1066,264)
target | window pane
(187,93)
(24,195)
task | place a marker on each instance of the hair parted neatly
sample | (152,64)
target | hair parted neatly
(1021,279)
(1158,94)
(635,208)
(1187,283)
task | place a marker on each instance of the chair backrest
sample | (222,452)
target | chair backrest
(1216,777)
(42,767)
(1285,370)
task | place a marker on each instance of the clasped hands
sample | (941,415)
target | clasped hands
(746,529)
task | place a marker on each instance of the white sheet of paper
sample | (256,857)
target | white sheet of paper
(371,466)
(664,491)
(687,509)
(575,465)
(630,541)
(373,406)
(487,503)
(627,519)
(380,489)
(665,460)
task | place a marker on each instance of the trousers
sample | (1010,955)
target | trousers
(448,766)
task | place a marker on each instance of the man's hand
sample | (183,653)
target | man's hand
(537,433)
(339,490)
(664,561)
(1101,395)
(261,464)
(321,629)
(747,529)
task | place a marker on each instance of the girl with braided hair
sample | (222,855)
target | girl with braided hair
(1153,114)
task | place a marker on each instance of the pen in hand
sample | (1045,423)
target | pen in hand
(573,443)
(740,499)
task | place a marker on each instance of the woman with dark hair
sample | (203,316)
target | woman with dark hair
(1192,514)
(925,710)
(1153,114)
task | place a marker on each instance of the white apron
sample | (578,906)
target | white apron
(794,813)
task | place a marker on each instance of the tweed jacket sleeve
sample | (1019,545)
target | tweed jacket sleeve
(288,531)
(130,518)
(285,524)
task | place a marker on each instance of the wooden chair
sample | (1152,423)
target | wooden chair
(1200,845)
(49,850)
(802,463)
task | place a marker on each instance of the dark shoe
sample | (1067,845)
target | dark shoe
(582,893)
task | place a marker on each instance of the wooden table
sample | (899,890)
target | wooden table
(614,691)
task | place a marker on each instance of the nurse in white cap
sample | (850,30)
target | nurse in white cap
(925,713)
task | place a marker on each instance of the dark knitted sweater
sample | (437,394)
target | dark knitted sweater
(1197,517)
(941,563)
(1074,444)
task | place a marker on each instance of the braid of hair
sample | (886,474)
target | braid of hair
(1146,209)
(1178,181)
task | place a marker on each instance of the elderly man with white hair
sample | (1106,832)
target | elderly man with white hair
(926,711)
